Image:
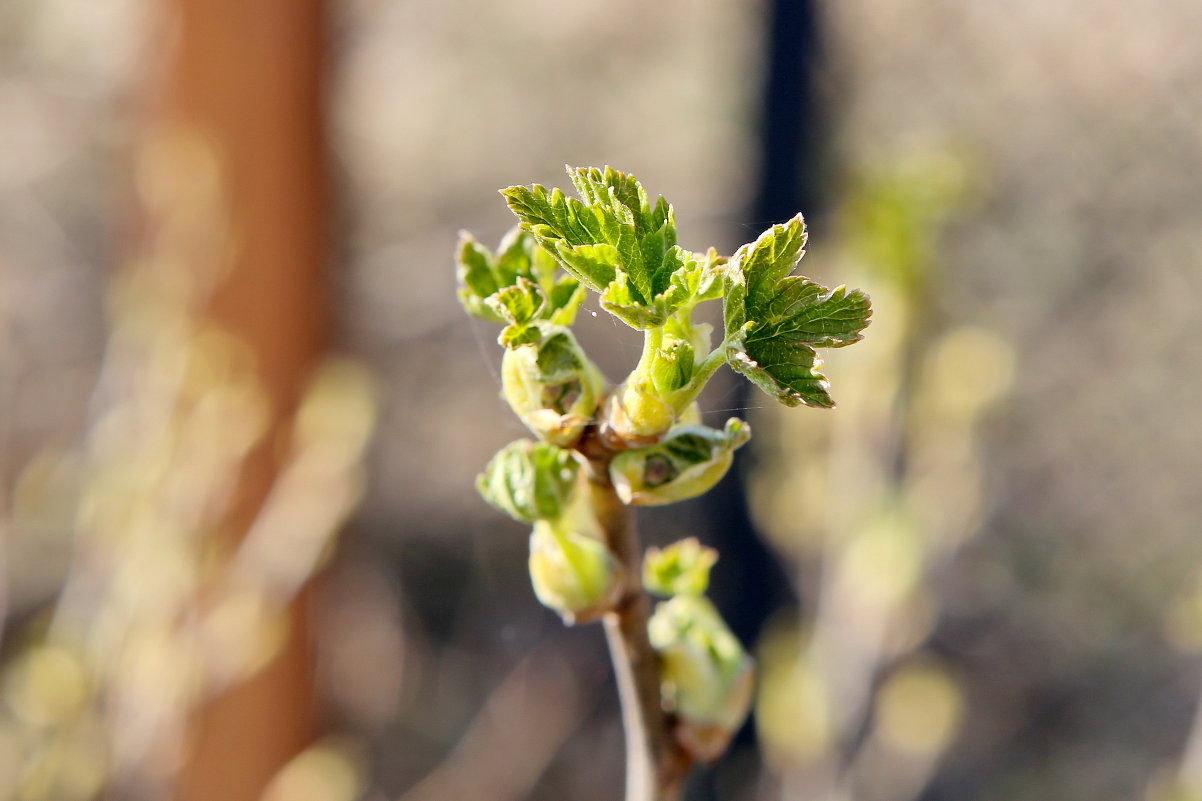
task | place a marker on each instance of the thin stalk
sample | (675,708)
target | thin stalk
(653,340)
(655,763)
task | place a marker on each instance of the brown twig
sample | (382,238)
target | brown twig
(655,763)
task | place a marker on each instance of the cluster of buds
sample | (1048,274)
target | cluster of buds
(659,453)
(571,566)
(641,442)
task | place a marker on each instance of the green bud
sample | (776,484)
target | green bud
(529,480)
(690,461)
(672,366)
(573,572)
(706,678)
(636,417)
(672,363)
(683,568)
(551,385)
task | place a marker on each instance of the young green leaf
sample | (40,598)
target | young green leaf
(519,305)
(517,285)
(775,320)
(617,243)
(478,276)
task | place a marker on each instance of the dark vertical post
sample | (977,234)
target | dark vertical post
(750,583)
(790,127)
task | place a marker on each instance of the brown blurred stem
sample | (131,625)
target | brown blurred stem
(655,763)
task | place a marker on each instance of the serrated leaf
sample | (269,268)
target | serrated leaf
(787,372)
(595,265)
(617,243)
(620,300)
(689,281)
(560,223)
(775,320)
(705,274)
(808,312)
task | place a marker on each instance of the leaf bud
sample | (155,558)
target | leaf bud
(672,366)
(706,678)
(551,385)
(635,416)
(573,572)
(529,480)
(672,363)
(689,461)
(683,568)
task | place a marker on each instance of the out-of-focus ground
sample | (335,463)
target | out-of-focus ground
(992,544)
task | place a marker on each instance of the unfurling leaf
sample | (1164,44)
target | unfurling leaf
(519,305)
(689,461)
(517,285)
(550,384)
(529,480)
(775,320)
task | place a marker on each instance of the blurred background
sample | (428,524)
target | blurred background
(241,411)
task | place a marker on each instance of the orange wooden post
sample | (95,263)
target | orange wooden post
(247,75)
